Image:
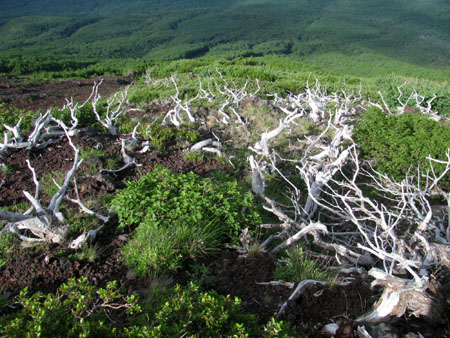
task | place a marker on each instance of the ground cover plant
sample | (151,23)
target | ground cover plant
(76,310)
(397,144)
(180,216)
(304,165)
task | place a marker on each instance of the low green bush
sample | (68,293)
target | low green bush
(189,312)
(10,116)
(164,136)
(85,116)
(76,310)
(401,143)
(81,310)
(179,216)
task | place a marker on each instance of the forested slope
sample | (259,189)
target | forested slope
(330,33)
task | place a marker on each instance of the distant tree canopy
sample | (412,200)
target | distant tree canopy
(174,29)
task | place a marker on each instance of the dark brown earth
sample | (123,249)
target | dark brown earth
(24,94)
(45,268)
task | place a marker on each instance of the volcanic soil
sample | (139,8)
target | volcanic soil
(44,268)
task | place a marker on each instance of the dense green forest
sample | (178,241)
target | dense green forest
(362,38)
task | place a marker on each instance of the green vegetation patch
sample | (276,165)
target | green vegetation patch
(399,144)
(180,216)
(165,136)
(190,312)
(76,310)
(299,267)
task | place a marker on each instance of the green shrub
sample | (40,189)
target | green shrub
(85,116)
(80,310)
(401,143)
(7,243)
(180,215)
(10,117)
(76,310)
(188,312)
(201,275)
(165,136)
(193,156)
(299,267)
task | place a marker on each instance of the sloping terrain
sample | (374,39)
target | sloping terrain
(76,32)
(248,276)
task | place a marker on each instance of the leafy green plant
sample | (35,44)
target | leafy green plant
(164,136)
(164,197)
(85,116)
(192,313)
(179,216)
(299,267)
(193,156)
(7,244)
(401,143)
(76,310)
(201,275)
(10,116)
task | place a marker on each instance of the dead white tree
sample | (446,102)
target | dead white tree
(229,98)
(36,139)
(174,115)
(400,239)
(129,161)
(47,224)
(310,103)
(398,233)
(208,145)
(115,107)
(46,127)
(234,93)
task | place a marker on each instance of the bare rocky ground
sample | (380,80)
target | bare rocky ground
(45,268)
(25,94)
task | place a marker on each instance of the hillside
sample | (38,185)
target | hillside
(201,175)
(242,168)
(337,35)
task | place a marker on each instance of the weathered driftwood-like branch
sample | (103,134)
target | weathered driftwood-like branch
(127,159)
(45,226)
(115,107)
(174,115)
(359,229)
(208,142)
(47,223)
(299,290)
(35,139)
